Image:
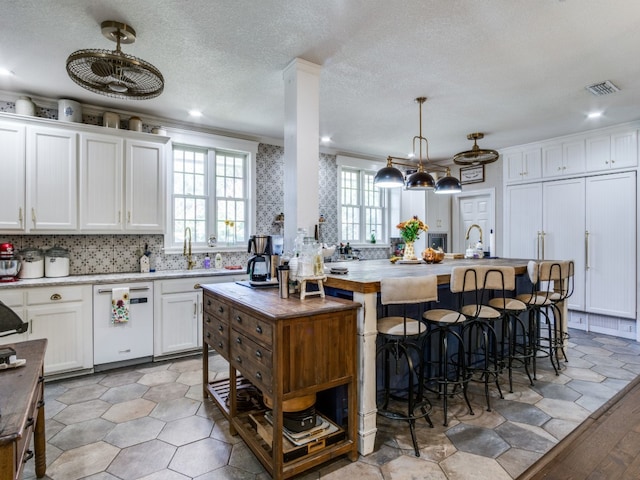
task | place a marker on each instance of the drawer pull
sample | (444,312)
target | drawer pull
(258,354)
(197,286)
(28,455)
(220,345)
(239,341)
(220,328)
(30,422)
(40,379)
(220,309)
(41,404)
(208,303)
(259,329)
(208,320)
(239,359)
(258,375)
(238,318)
(208,334)
(56,296)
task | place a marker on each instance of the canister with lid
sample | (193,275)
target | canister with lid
(56,262)
(32,261)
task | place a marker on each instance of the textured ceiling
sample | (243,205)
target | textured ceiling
(514,69)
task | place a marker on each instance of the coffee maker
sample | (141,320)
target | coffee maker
(258,264)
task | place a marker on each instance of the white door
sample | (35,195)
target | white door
(12,166)
(144,193)
(564,229)
(523,221)
(611,254)
(477,207)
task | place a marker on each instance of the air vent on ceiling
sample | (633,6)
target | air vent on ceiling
(602,88)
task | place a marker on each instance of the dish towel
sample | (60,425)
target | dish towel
(120,305)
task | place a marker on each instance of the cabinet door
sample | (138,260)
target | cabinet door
(564,229)
(598,153)
(532,164)
(523,221)
(438,212)
(101,183)
(144,191)
(63,325)
(611,254)
(51,177)
(12,166)
(179,327)
(513,166)
(573,156)
(624,149)
(552,161)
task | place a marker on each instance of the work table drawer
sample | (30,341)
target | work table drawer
(216,308)
(216,334)
(258,330)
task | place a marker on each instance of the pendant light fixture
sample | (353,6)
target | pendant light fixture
(390,176)
(477,155)
(112,72)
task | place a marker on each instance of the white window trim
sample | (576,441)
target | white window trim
(390,199)
(211,142)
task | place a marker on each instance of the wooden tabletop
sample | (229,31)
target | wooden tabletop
(365,276)
(268,302)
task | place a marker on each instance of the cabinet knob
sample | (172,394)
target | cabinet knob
(238,359)
(208,303)
(208,334)
(259,329)
(220,328)
(207,319)
(239,341)
(258,354)
(238,319)
(220,309)
(258,375)
(220,345)
(56,296)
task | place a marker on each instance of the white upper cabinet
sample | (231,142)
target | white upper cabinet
(566,158)
(51,179)
(12,166)
(523,165)
(101,182)
(618,150)
(144,180)
(438,212)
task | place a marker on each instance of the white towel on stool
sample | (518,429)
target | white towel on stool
(120,305)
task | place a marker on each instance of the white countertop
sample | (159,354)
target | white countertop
(97,279)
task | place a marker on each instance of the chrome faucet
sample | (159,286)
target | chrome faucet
(469,230)
(186,249)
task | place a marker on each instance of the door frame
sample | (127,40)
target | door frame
(455,214)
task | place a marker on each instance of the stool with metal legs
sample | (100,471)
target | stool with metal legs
(445,370)
(401,350)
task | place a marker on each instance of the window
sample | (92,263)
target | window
(362,207)
(209,196)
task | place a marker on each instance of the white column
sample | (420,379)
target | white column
(301,147)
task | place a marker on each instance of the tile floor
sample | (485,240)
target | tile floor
(150,422)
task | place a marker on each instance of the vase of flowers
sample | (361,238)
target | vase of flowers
(410,231)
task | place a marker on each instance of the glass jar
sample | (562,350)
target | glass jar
(56,262)
(32,261)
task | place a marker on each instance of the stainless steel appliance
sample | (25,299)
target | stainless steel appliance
(258,264)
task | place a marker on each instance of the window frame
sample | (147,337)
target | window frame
(211,143)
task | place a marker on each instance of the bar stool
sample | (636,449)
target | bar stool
(401,347)
(446,373)
(515,332)
(483,357)
(552,283)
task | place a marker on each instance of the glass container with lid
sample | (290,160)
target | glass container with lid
(32,263)
(56,262)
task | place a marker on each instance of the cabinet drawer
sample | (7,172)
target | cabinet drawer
(39,296)
(241,345)
(181,285)
(22,451)
(257,374)
(12,298)
(216,308)
(216,335)
(258,330)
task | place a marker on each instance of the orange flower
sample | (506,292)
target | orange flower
(410,229)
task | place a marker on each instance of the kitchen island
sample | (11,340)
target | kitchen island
(362,284)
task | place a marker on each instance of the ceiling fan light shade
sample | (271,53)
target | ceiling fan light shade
(420,180)
(447,185)
(388,177)
(112,72)
(477,155)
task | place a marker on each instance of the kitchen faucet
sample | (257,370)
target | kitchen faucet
(186,249)
(469,230)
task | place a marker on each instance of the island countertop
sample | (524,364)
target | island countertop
(365,276)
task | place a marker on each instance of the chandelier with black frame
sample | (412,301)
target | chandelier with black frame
(391,177)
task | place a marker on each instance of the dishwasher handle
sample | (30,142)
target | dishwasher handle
(133,289)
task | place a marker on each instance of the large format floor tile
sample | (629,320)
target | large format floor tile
(150,422)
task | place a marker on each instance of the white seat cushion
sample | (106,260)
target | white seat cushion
(480,311)
(396,326)
(443,315)
(512,304)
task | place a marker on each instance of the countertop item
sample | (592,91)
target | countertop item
(32,263)
(56,262)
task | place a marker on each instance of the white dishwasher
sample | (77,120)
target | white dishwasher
(130,340)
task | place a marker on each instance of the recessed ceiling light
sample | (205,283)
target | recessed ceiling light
(195,113)
(6,71)
(594,115)
(325,139)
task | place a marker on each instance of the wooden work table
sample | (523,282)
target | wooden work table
(363,282)
(22,411)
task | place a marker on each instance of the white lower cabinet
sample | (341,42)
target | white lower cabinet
(178,313)
(62,315)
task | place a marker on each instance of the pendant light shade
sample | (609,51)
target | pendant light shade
(448,184)
(420,180)
(477,155)
(389,177)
